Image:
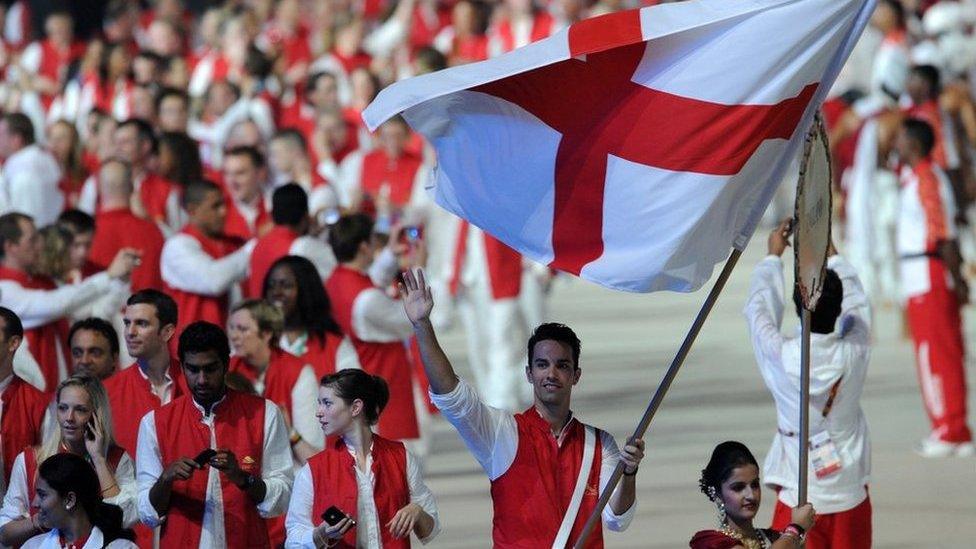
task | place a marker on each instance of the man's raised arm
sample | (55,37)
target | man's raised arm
(418,302)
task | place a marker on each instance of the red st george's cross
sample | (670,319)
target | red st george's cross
(600,111)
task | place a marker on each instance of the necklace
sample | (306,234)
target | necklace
(757,542)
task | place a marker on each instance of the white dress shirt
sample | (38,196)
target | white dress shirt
(185,266)
(29,185)
(96,540)
(39,307)
(492,437)
(844,353)
(17,500)
(304,404)
(300,525)
(276,472)
(376,316)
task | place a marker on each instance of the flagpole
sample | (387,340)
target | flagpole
(804,406)
(662,390)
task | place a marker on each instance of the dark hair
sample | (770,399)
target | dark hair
(824,316)
(154,57)
(188,167)
(67,472)
(931,76)
(204,337)
(313,79)
(10,228)
(921,133)
(246,150)
(431,58)
(293,136)
(725,458)
(556,332)
(256,63)
(95,324)
(196,191)
(348,233)
(171,92)
(165,305)
(76,222)
(899,10)
(144,130)
(289,205)
(20,125)
(312,304)
(354,384)
(12,324)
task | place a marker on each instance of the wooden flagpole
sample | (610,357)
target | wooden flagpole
(662,390)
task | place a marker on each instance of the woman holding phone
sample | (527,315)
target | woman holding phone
(362,490)
(85,430)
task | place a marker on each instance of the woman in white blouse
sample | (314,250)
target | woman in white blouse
(85,430)
(362,490)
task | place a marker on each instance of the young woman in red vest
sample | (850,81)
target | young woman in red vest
(85,422)
(731,482)
(311,333)
(68,502)
(254,329)
(373,481)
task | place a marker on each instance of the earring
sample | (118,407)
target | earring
(722,516)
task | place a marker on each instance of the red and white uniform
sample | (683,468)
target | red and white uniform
(378,328)
(200,273)
(510,34)
(244,221)
(22,415)
(132,395)
(95,540)
(927,211)
(207,511)
(279,242)
(840,361)
(390,479)
(117,229)
(375,173)
(529,468)
(291,384)
(159,196)
(44,58)
(44,308)
(29,184)
(326,355)
(944,153)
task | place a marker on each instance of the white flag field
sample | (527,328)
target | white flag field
(635,149)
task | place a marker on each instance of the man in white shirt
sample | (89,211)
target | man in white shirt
(840,347)
(529,457)
(219,500)
(29,182)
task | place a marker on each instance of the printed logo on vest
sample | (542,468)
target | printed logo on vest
(247,464)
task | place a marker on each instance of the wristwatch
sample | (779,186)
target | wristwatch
(249,481)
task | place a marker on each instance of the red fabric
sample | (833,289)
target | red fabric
(236,226)
(334,483)
(193,307)
(349,63)
(117,229)
(301,116)
(425,25)
(713,539)
(23,415)
(703,137)
(131,397)
(387,360)
(279,379)
(849,529)
(936,326)
(398,173)
(269,248)
(936,229)
(322,353)
(43,340)
(71,188)
(504,265)
(931,112)
(239,427)
(531,498)
(469,49)
(541,28)
(55,62)
(154,192)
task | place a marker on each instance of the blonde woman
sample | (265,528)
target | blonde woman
(84,429)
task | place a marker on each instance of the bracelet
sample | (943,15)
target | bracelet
(800,531)
(295,438)
(797,541)
(793,530)
(626,474)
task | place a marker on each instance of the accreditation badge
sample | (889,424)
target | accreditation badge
(823,455)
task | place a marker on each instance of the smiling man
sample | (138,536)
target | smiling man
(546,467)
(250,468)
(94,346)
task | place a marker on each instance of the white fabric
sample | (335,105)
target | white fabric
(29,185)
(316,251)
(300,525)
(276,472)
(843,353)
(165,392)
(96,540)
(912,236)
(304,399)
(690,47)
(492,437)
(569,519)
(186,266)
(39,307)
(17,500)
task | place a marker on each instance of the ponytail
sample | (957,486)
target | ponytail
(352,384)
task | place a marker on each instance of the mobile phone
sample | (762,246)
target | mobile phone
(203,457)
(412,233)
(333,515)
(89,430)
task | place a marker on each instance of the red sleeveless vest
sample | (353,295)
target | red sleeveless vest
(387,360)
(541,28)
(30,466)
(193,307)
(131,397)
(398,173)
(23,415)
(531,498)
(504,265)
(322,353)
(334,483)
(154,192)
(268,249)
(279,379)
(236,226)
(238,426)
(43,340)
